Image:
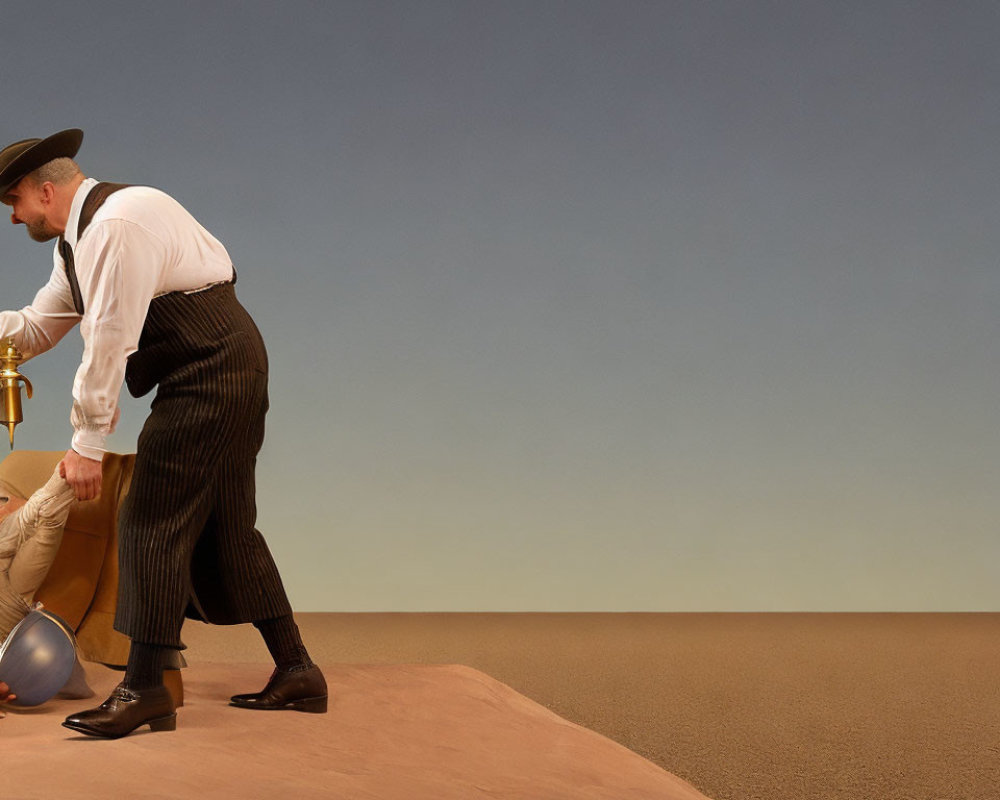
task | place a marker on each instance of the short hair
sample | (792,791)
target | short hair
(57,171)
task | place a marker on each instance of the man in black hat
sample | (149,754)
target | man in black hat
(153,292)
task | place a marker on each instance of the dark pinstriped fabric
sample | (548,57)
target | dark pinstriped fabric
(188,542)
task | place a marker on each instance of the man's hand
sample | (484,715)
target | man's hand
(83,474)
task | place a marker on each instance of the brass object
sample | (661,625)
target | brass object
(10,359)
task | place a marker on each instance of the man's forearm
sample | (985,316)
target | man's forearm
(39,326)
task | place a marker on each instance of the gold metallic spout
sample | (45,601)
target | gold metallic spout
(10,359)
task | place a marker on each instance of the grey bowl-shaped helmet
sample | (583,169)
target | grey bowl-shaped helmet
(37,657)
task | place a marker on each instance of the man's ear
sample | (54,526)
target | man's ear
(48,191)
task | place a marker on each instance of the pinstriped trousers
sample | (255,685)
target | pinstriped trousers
(187,536)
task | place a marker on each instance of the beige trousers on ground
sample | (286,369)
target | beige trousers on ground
(29,541)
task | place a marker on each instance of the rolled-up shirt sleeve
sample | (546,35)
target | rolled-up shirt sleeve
(119,265)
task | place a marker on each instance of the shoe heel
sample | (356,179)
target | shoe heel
(313,705)
(164,723)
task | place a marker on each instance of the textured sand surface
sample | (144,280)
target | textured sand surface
(743,706)
(394,732)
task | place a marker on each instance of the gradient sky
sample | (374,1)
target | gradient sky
(657,306)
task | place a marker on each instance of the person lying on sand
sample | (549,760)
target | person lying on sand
(30,534)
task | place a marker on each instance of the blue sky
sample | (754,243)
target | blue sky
(576,305)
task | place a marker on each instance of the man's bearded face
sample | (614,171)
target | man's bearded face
(40,230)
(27,209)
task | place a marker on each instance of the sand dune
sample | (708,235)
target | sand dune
(741,706)
(394,732)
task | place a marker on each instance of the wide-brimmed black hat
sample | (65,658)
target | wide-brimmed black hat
(27,155)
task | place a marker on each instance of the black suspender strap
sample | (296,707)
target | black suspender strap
(70,266)
(94,200)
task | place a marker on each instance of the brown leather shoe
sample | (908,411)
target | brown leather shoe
(300,689)
(124,711)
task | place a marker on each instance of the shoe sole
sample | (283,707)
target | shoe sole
(160,724)
(310,705)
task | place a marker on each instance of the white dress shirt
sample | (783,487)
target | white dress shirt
(140,244)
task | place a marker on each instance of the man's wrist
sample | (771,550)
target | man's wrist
(89,444)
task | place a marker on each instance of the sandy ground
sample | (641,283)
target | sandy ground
(394,732)
(743,706)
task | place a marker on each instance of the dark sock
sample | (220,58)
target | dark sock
(145,666)
(281,635)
